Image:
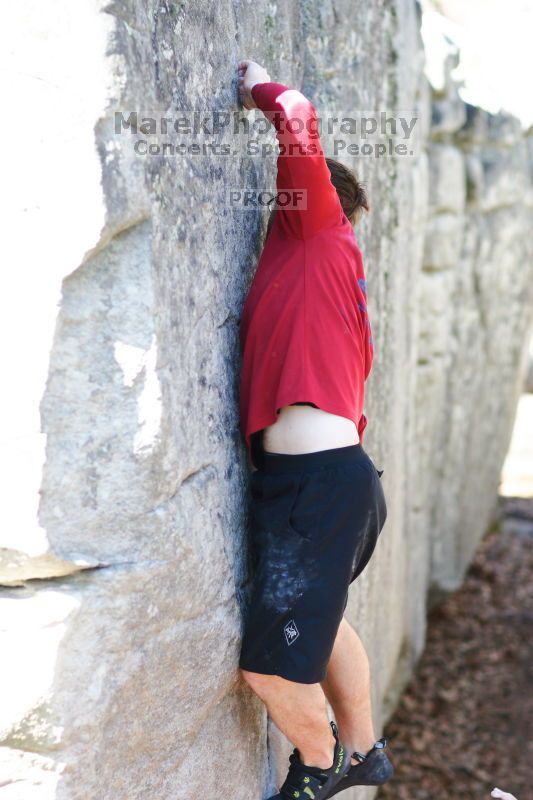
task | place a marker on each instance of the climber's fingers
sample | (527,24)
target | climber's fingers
(244,95)
(250,73)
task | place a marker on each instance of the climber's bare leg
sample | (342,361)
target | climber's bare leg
(299,711)
(347,688)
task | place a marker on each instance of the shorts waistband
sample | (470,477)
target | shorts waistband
(294,462)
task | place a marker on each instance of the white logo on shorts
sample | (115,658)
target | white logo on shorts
(291,631)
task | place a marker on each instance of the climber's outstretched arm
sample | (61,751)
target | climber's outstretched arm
(301,163)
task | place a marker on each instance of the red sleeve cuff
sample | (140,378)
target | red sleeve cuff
(267,92)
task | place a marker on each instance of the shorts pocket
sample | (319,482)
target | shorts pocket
(313,513)
(273,499)
(381,504)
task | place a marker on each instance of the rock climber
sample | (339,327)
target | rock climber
(317,501)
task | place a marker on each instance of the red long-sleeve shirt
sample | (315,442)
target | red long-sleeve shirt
(304,330)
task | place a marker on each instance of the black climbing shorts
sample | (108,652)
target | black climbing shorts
(314,522)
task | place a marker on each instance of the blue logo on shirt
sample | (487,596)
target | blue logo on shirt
(363,310)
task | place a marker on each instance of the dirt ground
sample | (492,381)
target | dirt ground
(465,723)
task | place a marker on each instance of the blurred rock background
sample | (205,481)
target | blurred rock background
(123,554)
(465,721)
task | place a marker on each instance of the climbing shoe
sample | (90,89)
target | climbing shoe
(314,783)
(374,768)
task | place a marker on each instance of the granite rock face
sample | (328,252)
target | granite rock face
(123,558)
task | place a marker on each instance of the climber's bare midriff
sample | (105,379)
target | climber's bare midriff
(305,429)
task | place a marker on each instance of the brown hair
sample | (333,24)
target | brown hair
(351,192)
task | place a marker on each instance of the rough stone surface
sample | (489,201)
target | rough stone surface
(124,558)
